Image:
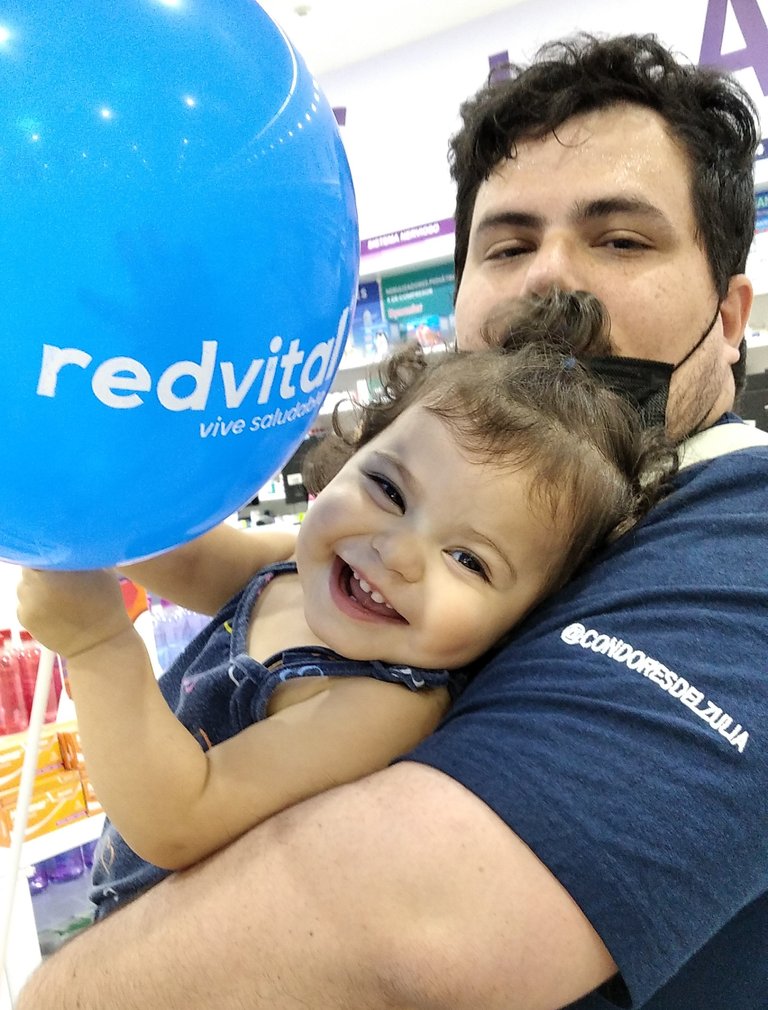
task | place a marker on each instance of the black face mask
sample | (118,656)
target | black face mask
(644,383)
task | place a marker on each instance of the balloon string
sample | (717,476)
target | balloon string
(28,773)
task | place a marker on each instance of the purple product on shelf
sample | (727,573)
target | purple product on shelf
(66,866)
(37,878)
(88,850)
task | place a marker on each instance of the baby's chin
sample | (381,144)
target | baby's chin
(369,647)
(367,653)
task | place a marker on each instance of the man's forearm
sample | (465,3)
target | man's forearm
(240,929)
(399,892)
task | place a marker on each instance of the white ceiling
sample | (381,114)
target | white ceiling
(335,33)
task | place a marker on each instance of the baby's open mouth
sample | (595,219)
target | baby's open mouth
(365,595)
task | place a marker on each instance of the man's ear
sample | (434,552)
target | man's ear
(735,309)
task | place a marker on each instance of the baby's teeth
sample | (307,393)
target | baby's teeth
(373,593)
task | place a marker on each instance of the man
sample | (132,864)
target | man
(587,826)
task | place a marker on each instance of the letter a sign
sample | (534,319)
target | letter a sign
(753,27)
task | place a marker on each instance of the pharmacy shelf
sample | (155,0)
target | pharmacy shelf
(87,829)
(24,949)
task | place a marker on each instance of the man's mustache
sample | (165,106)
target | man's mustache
(575,321)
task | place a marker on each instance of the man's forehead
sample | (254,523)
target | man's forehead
(625,134)
(615,157)
(609,121)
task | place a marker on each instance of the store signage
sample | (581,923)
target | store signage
(369,331)
(753,55)
(405,236)
(761,211)
(499,66)
(419,304)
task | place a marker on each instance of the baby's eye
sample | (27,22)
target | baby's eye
(388,489)
(468,560)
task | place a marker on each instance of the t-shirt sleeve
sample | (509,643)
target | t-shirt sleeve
(621,733)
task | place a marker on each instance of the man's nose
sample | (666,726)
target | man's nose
(553,265)
(402,552)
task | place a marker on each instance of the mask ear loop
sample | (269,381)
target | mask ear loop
(701,339)
(697,427)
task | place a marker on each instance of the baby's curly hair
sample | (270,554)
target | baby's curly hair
(526,403)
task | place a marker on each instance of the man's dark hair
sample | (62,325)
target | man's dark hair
(527,403)
(707,113)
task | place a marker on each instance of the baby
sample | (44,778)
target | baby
(471,489)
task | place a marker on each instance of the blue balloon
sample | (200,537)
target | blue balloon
(178,260)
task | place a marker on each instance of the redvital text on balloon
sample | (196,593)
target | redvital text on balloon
(119,381)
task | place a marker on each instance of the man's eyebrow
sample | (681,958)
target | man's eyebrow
(606,206)
(509,219)
(584,210)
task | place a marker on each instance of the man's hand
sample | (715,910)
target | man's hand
(71,612)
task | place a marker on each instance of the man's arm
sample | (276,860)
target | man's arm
(399,891)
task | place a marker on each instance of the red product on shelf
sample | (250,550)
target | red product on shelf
(14,714)
(29,659)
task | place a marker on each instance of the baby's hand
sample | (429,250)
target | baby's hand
(70,612)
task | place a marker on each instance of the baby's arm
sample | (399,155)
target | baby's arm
(206,572)
(172,802)
(352,728)
(130,735)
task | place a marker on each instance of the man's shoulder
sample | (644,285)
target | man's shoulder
(728,436)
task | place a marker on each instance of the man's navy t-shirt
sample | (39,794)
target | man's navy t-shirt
(622,735)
